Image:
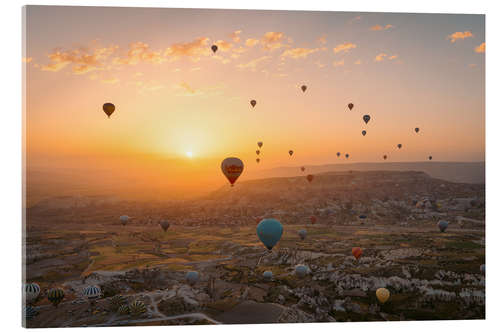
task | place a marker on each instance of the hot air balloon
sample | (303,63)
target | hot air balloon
(442,225)
(108,109)
(346,155)
(366,118)
(362,217)
(301,270)
(267,275)
(137,308)
(357,252)
(124,219)
(55,296)
(164,225)
(363,132)
(260,143)
(313,219)
(257,160)
(302,234)
(430,158)
(123,309)
(382,295)
(303,169)
(269,232)
(214,48)
(31,292)
(304,87)
(350,106)
(192,277)
(116,302)
(385,157)
(92,292)
(253,102)
(290,152)
(310,178)
(338,154)
(399,146)
(232,167)
(417,129)
(257,152)
(29,312)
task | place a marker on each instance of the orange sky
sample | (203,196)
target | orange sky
(174,96)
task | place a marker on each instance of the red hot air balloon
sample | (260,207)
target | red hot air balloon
(350,106)
(313,219)
(214,48)
(304,87)
(303,169)
(310,178)
(253,102)
(232,167)
(357,252)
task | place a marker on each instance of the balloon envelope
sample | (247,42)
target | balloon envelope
(338,154)
(417,129)
(214,48)
(363,132)
(399,146)
(108,109)
(442,225)
(124,219)
(385,157)
(302,234)
(303,168)
(232,167)
(350,106)
(382,295)
(253,102)
(164,225)
(301,270)
(430,158)
(257,152)
(482,268)
(313,219)
(357,252)
(260,143)
(257,160)
(290,152)
(267,275)
(346,155)
(366,118)
(31,291)
(304,87)
(310,178)
(269,232)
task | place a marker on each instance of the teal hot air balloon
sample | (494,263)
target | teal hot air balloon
(269,232)
(301,270)
(267,275)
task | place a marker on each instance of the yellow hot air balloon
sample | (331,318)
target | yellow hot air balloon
(382,295)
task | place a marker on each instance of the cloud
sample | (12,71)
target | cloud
(235,36)
(273,40)
(26,60)
(140,52)
(250,42)
(187,87)
(378,27)
(193,50)
(383,56)
(338,63)
(113,80)
(344,47)
(253,63)
(459,35)
(298,53)
(82,60)
(392,57)
(481,48)
(322,40)
(357,62)
(223,45)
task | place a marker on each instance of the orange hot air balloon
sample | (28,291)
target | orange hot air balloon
(232,167)
(383,295)
(253,102)
(310,178)
(313,219)
(303,169)
(350,106)
(304,87)
(108,109)
(357,252)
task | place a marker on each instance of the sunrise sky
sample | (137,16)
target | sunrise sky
(175,98)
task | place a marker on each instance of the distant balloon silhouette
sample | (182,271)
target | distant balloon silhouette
(417,129)
(366,118)
(310,178)
(267,275)
(304,87)
(303,169)
(482,268)
(124,219)
(338,154)
(302,234)
(301,270)
(260,143)
(164,225)
(430,158)
(253,102)
(192,277)
(257,160)
(108,109)
(399,146)
(214,48)
(357,252)
(269,232)
(232,167)
(363,132)
(346,155)
(350,106)
(290,152)
(257,152)
(55,296)
(442,225)
(385,157)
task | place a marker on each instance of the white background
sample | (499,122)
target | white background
(11,157)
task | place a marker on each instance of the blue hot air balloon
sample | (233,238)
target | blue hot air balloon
(442,225)
(269,232)
(302,234)
(192,277)
(301,270)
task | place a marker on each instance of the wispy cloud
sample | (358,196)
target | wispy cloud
(193,50)
(379,27)
(383,56)
(338,63)
(235,36)
(250,42)
(27,60)
(345,47)
(273,40)
(459,35)
(481,48)
(139,52)
(298,53)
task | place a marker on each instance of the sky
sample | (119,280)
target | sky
(181,109)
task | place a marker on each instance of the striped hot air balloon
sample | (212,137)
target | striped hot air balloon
(92,292)
(123,309)
(31,291)
(116,302)
(55,296)
(29,312)
(137,308)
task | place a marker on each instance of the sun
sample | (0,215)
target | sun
(189,154)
